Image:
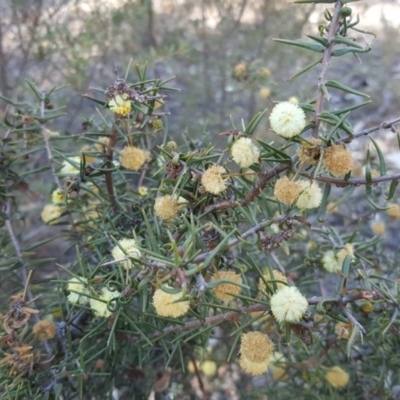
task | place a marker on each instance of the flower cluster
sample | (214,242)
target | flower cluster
(227,291)
(288,304)
(100,305)
(132,158)
(287,119)
(271,280)
(255,352)
(120,105)
(338,160)
(170,305)
(212,179)
(244,152)
(126,248)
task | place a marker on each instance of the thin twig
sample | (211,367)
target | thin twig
(326,58)
(108,174)
(47,142)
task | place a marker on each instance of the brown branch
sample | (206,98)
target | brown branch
(334,25)
(108,174)
(232,315)
(355,182)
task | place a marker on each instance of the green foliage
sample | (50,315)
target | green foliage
(167,253)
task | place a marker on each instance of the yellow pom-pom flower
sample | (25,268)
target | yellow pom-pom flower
(264,93)
(342,330)
(337,377)
(132,158)
(57,196)
(245,152)
(378,227)
(100,305)
(102,144)
(166,207)
(255,352)
(338,160)
(212,179)
(126,248)
(120,104)
(333,262)
(310,195)
(309,153)
(277,276)
(287,191)
(170,305)
(288,304)
(51,213)
(287,119)
(393,211)
(70,166)
(78,290)
(44,329)
(142,191)
(223,290)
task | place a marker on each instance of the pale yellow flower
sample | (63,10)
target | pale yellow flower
(57,196)
(223,290)
(70,166)
(120,104)
(100,305)
(278,276)
(338,160)
(342,330)
(245,152)
(255,352)
(287,119)
(212,179)
(264,93)
(142,190)
(310,196)
(393,211)
(170,305)
(288,304)
(132,158)
(78,289)
(130,249)
(166,207)
(378,227)
(333,262)
(44,329)
(287,191)
(51,213)
(337,377)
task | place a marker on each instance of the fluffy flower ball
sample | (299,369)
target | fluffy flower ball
(57,196)
(288,304)
(126,248)
(333,262)
(222,291)
(287,191)
(44,329)
(166,207)
(287,119)
(255,352)
(70,166)
(212,179)
(338,160)
(277,276)
(169,305)
(51,213)
(132,158)
(393,211)
(310,196)
(309,153)
(337,377)
(78,289)
(100,306)
(245,152)
(120,105)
